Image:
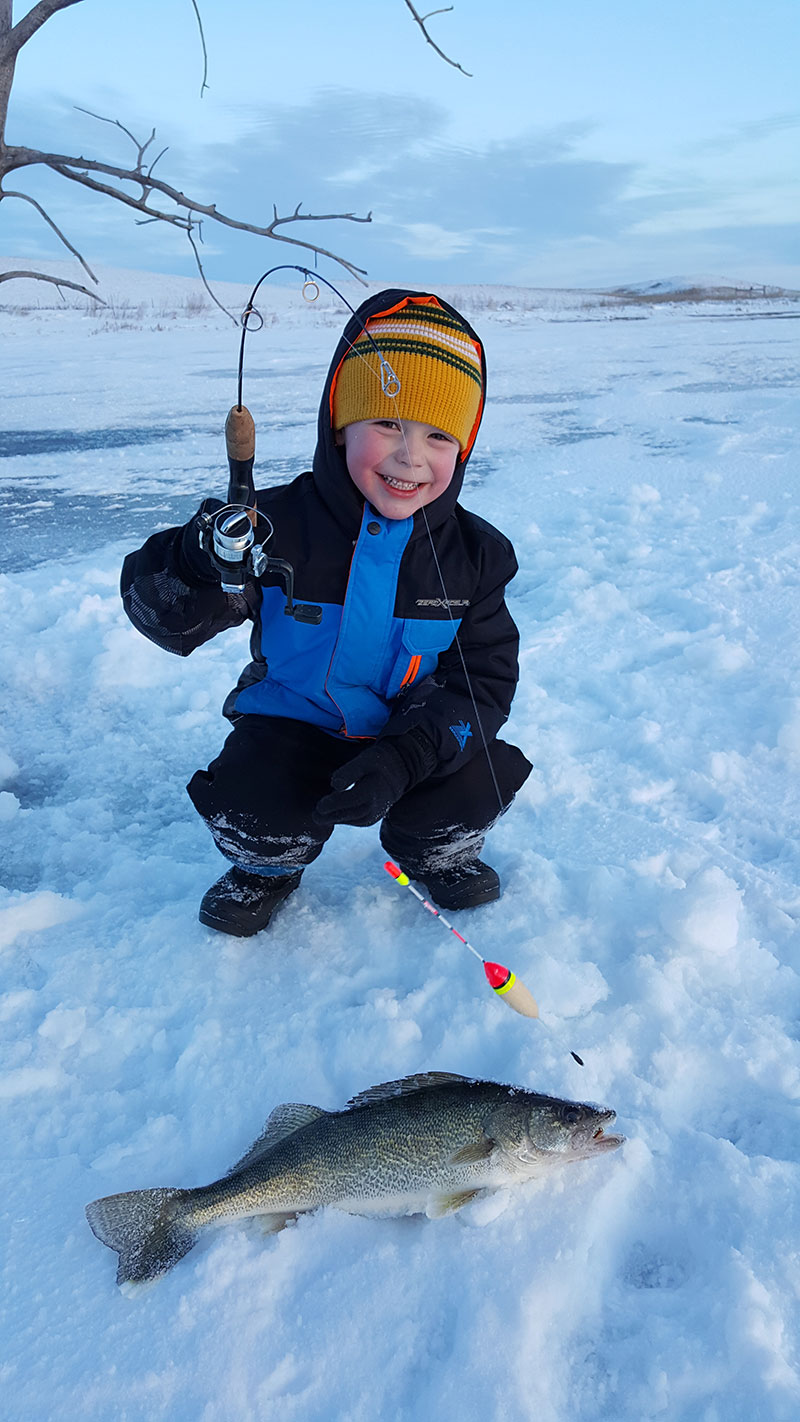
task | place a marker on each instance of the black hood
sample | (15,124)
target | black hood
(331,478)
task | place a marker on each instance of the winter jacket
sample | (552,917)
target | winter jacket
(384,658)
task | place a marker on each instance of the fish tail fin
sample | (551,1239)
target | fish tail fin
(146,1229)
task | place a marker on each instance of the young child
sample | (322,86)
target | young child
(378,713)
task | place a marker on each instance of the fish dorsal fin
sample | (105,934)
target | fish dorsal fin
(283,1122)
(405,1087)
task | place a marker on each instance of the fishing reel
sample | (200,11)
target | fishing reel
(229,539)
(228,536)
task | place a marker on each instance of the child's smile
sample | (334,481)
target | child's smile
(399,465)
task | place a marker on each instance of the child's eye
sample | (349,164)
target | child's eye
(440,434)
(387,424)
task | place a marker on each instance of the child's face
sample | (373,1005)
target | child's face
(398,465)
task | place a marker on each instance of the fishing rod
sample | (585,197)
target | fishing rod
(235,536)
(229,536)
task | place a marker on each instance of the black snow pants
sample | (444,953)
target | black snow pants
(258,795)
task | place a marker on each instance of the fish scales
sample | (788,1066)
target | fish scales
(426,1143)
(385,1148)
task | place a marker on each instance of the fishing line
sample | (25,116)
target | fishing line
(456,638)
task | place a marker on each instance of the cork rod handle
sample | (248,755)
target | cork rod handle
(240,434)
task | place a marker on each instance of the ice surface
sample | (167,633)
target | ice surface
(647,471)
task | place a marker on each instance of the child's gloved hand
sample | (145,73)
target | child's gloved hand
(195,563)
(365,788)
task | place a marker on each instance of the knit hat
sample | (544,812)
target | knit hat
(437,365)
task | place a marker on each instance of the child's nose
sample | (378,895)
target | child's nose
(412,450)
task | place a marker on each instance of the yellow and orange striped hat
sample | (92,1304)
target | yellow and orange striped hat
(438,367)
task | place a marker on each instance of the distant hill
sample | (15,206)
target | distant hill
(130,299)
(699,289)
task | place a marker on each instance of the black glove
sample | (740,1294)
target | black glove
(372,781)
(194,563)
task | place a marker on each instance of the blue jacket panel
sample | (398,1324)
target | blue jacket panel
(344,674)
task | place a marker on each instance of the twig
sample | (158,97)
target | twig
(204,84)
(25,197)
(115,123)
(420,19)
(79,169)
(214,298)
(56,281)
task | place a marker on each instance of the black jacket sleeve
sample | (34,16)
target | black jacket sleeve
(468,698)
(172,594)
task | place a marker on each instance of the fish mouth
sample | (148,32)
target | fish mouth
(599,1140)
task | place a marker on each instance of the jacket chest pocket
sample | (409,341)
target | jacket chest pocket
(420,645)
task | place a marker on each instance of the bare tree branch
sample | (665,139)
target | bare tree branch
(33,21)
(25,197)
(55,281)
(142,147)
(204,84)
(135,187)
(420,19)
(214,298)
(79,169)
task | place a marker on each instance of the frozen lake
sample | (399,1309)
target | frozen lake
(644,463)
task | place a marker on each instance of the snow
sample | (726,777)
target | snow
(646,471)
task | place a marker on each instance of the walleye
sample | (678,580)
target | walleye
(429,1143)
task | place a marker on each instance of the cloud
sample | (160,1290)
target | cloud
(427,239)
(751,131)
(437,203)
(527,208)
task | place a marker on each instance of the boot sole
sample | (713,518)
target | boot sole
(487,896)
(241,929)
(233,930)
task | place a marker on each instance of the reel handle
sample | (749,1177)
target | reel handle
(240,442)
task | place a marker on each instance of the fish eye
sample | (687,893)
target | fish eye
(571,1115)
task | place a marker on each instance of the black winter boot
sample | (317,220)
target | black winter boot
(242,904)
(462,886)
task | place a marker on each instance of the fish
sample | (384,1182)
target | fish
(427,1144)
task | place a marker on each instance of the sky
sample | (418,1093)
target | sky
(591,146)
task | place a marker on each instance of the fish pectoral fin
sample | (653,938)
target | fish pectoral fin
(273,1223)
(291,1116)
(439,1205)
(474,1152)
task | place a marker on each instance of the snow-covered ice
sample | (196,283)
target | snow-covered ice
(644,462)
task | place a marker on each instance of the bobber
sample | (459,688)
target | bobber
(508,987)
